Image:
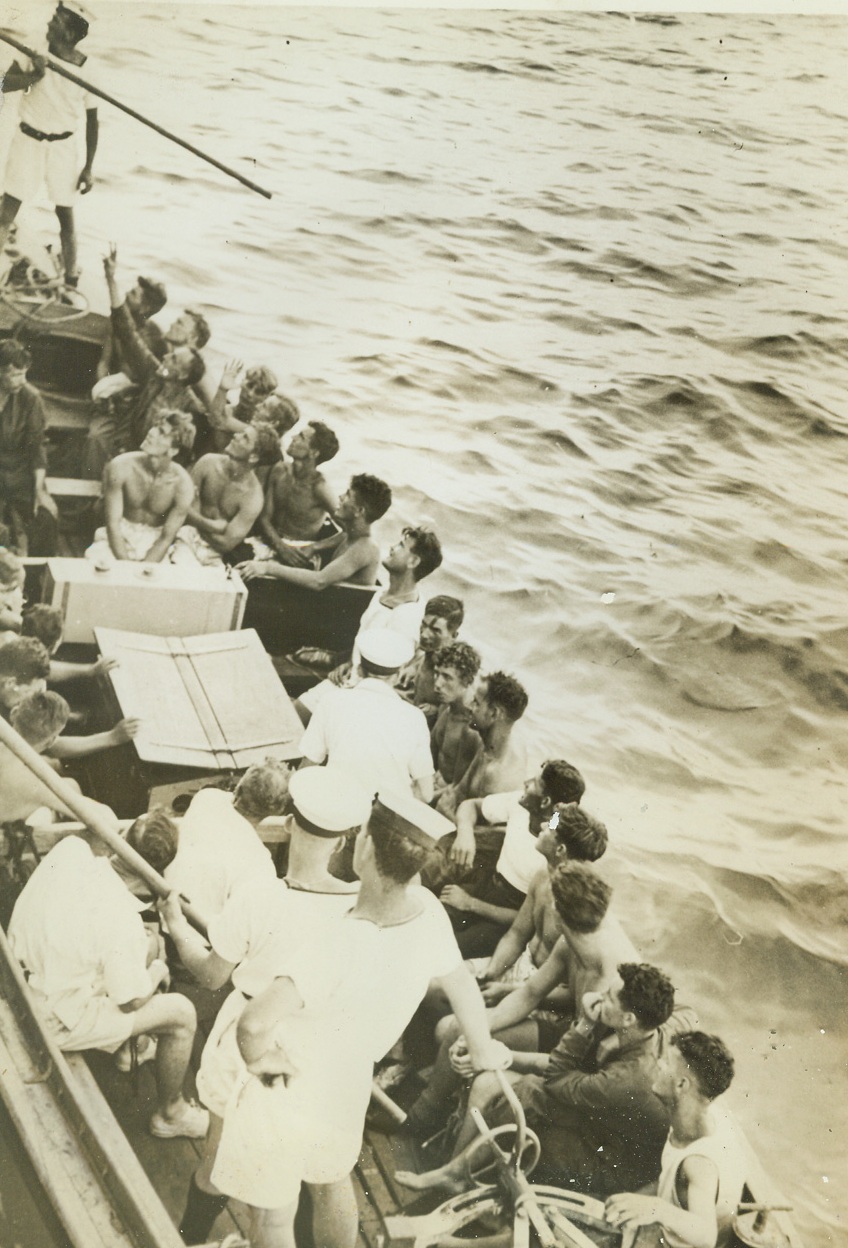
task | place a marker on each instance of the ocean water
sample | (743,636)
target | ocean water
(574,284)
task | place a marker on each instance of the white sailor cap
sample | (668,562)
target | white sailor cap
(384,649)
(328,800)
(79,10)
(404,813)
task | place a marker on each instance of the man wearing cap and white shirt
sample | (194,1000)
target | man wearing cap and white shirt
(44,148)
(311,1040)
(369,728)
(219,849)
(253,940)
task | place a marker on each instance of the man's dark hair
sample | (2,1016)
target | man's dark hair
(261,379)
(267,448)
(39,716)
(13,355)
(446,608)
(202,332)
(428,548)
(372,494)
(582,835)
(580,895)
(646,992)
(154,294)
(43,622)
(196,368)
(279,411)
(463,658)
(12,572)
(396,855)
(506,692)
(323,441)
(179,427)
(709,1060)
(24,660)
(562,782)
(155,836)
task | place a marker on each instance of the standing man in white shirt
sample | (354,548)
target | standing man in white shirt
(44,149)
(369,728)
(311,1040)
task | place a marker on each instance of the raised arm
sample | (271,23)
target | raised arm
(220,413)
(140,359)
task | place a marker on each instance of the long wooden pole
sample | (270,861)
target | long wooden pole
(69,797)
(131,112)
(80,807)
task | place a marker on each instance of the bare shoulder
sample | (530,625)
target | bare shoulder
(122,466)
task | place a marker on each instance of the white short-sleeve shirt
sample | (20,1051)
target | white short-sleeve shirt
(77,929)
(54,104)
(405,619)
(519,858)
(218,853)
(370,730)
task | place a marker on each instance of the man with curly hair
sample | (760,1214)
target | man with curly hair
(591,1100)
(703,1163)
(228,502)
(453,741)
(299,498)
(500,763)
(146,495)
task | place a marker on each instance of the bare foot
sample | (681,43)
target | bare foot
(430,1179)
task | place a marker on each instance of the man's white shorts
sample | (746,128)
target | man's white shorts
(33,163)
(103,1026)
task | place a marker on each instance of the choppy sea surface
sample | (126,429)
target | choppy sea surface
(575,285)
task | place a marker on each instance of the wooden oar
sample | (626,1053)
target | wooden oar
(69,798)
(131,112)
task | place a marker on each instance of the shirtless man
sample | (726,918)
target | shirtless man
(146,495)
(572,835)
(453,741)
(299,498)
(229,500)
(500,763)
(356,557)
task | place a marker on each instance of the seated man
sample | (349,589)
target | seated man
(454,743)
(398,608)
(24,668)
(356,555)
(163,386)
(703,1164)
(228,502)
(220,850)
(146,495)
(368,728)
(143,301)
(443,616)
(591,1101)
(500,763)
(23,459)
(491,885)
(93,970)
(588,944)
(46,624)
(299,499)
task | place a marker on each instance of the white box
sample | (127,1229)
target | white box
(158,598)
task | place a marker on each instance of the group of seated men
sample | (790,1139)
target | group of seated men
(456,923)
(187,475)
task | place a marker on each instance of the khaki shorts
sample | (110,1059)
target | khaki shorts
(33,163)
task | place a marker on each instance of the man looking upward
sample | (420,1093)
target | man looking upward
(44,149)
(229,499)
(146,495)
